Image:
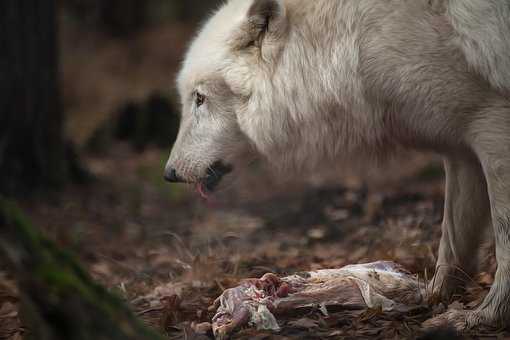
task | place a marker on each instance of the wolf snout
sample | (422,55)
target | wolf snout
(210,180)
(172,176)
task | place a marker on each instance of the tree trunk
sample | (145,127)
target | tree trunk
(32,154)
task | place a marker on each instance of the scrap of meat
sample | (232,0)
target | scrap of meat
(255,302)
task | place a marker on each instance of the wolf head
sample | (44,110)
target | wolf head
(273,76)
(234,53)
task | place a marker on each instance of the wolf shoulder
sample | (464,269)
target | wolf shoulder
(454,37)
(483,34)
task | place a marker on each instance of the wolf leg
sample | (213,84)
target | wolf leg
(489,136)
(466,215)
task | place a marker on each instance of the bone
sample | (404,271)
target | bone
(258,302)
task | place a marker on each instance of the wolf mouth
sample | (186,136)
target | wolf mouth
(214,175)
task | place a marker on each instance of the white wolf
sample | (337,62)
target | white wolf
(306,81)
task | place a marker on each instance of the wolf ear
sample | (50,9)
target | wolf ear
(266,18)
(266,9)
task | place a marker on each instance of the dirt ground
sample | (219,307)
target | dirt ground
(169,253)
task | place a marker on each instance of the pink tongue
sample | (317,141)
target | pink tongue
(202,191)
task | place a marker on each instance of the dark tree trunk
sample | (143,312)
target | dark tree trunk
(32,154)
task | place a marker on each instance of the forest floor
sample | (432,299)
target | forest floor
(150,241)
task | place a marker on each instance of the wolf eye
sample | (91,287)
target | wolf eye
(199,99)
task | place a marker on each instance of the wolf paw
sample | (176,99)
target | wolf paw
(445,283)
(463,320)
(456,319)
(440,289)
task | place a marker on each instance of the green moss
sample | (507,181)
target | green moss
(60,298)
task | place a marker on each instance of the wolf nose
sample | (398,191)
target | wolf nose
(172,177)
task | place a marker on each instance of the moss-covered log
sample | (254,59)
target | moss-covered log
(60,300)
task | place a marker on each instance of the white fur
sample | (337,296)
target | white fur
(483,28)
(324,79)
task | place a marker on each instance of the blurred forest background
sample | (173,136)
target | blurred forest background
(88,117)
(85,71)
